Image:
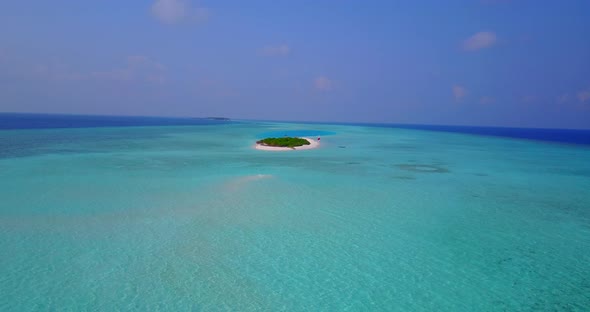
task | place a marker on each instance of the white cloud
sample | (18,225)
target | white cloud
(57,72)
(138,67)
(137,59)
(322,83)
(459,92)
(119,74)
(562,99)
(584,96)
(278,50)
(495,1)
(485,100)
(176,11)
(140,61)
(480,40)
(215,88)
(528,99)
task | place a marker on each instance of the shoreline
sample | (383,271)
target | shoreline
(312,144)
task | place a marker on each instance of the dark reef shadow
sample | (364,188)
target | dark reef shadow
(404,177)
(423,168)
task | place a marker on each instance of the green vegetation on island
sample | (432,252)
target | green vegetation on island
(283,142)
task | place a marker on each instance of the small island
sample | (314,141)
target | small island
(285,144)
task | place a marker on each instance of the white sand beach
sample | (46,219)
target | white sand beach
(312,144)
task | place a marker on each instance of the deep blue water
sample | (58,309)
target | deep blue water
(567,136)
(45,121)
(297,133)
(571,136)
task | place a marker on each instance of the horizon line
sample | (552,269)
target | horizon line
(294,121)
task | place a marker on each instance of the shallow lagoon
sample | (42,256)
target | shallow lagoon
(192,217)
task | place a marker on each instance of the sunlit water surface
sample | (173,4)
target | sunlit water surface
(376,219)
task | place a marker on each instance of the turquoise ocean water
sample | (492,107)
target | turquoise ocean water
(192,218)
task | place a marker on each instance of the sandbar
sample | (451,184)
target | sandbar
(312,144)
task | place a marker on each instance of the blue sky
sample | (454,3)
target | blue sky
(481,62)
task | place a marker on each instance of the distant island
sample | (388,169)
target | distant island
(218,118)
(286,143)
